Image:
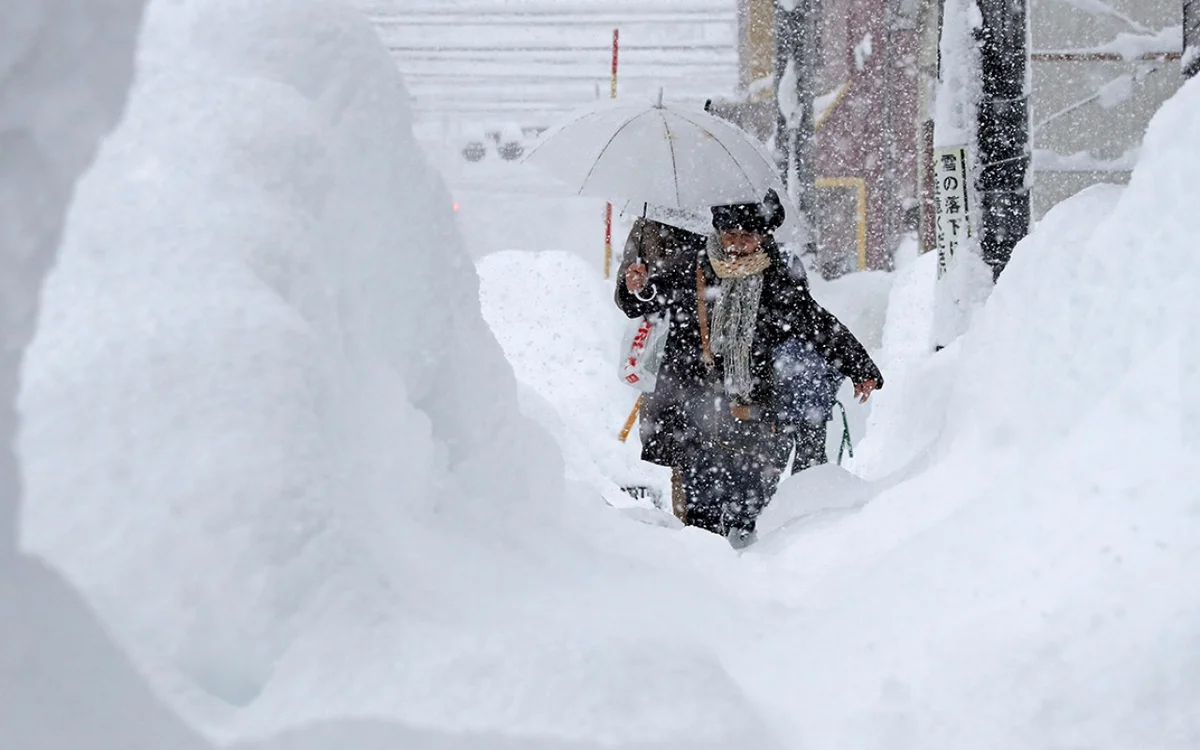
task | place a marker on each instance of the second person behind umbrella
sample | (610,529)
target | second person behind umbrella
(732,306)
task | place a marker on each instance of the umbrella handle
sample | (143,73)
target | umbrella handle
(637,257)
(650,297)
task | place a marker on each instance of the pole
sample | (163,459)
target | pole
(1003,122)
(608,226)
(890,145)
(1191,37)
(795,60)
(630,420)
(608,208)
(963,279)
(616,48)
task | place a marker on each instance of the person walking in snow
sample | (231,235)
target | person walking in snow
(656,244)
(732,307)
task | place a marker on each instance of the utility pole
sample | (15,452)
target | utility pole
(1191,37)
(890,146)
(1003,130)
(796,47)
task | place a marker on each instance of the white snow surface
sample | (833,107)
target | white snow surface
(1084,161)
(1010,566)
(1074,510)
(555,318)
(787,94)
(56,101)
(269,435)
(64,73)
(958,88)
(1133,46)
(1116,92)
(64,684)
(1101,8)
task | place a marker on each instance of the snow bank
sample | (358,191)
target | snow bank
(1031,583)
(63,81)
(859,300)
(59,98)
(261,347)
(908,416)
(271,438)
(553,314)
(64,685)
(863,302)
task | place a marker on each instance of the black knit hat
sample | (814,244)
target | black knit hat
(755,218)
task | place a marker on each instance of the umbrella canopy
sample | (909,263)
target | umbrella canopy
(698,221)
(664,156)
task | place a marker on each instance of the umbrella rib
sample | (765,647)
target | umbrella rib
(544,140)
(600,156)
(732,158)
(674,165)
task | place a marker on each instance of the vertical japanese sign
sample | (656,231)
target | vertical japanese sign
(950,203)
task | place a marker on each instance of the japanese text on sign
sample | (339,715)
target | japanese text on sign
(950,202)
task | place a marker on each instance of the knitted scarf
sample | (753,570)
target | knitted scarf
(736,313)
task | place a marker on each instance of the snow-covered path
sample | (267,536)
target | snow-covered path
(270,436)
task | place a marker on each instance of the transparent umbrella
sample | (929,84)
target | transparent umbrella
(655,154)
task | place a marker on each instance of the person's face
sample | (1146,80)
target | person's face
(738,243)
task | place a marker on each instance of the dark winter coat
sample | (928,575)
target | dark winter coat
(657,245)
(688,398)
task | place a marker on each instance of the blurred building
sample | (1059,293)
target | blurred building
(1099,71)
(865,116)
(867,134)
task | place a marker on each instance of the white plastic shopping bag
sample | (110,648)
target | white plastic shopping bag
(643,349)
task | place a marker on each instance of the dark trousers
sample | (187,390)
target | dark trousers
(724,489)
(809,441)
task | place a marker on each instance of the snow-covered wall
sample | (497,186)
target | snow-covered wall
(65,68)
(1034,552)
(262,364)
(272,439)
(63,78)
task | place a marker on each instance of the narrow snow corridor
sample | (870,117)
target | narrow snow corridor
(324,432)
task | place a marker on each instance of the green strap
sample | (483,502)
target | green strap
(847,445)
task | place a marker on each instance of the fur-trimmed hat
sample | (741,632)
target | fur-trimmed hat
(755,218)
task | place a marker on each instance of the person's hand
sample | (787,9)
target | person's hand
(741,412)
(863,390)
(635,277)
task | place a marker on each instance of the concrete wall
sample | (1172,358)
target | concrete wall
(1080,137)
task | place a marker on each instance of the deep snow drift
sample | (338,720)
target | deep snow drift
(270,437)
(59,97)
(63,80)
(1011,566)
(1033,584)
(553,314)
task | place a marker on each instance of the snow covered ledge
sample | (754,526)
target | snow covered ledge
(65,68)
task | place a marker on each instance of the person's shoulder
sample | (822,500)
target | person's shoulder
(788,265)
(795,269)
